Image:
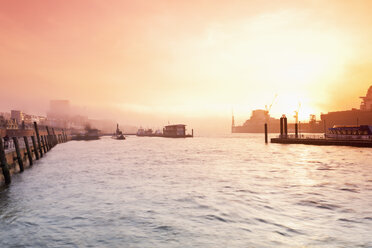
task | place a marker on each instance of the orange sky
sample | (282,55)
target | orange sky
(150,62)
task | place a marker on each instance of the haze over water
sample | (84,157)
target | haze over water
(227,191)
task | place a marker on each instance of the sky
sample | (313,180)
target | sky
(147,63)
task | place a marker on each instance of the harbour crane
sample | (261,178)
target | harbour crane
(269,108)
(296,112)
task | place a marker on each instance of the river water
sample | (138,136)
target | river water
(228,191)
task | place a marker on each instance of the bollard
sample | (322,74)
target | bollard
(266,133)
(18,152)
(35,147)
(4,164)
(38,140)
(29,154)
(296,130)
(285,127)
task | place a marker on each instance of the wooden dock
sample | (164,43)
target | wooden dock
(323,142)
(22,147)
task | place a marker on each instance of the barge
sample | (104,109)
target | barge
(169,131)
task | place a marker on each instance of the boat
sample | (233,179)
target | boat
(169,131)
(350,132)
(118,134)
(88,134)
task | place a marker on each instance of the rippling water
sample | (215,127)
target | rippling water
(231,191)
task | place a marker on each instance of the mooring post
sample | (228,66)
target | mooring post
(281,127)
(18,152)
(46,142)
(49,138)
(54,137)
(296,130)
(29,154)
(35,147)
(285,127)
(4,164)
(266,133)
(63,136)
(38,140)
(43,143)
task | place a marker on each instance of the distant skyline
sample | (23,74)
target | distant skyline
(150,62)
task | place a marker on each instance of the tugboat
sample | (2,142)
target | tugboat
(118,134)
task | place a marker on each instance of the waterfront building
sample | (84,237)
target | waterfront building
(367,100)
(17,115)
(362,116)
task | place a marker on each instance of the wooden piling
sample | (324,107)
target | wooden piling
(281,126)
(46,143)
(18,152)
(266,140)
(4,164)
(296,130)
(35,147)
(38,140)
(50,140)
(29,154)
(43,143)
(64,136)
(285,127)
(55,141)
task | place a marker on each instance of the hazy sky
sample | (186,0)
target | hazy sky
(150,62)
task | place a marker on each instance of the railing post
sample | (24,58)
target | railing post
(38,139)
(29,154)
(35,147)
(18,152)
(4,164)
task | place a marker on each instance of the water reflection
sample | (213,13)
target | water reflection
(204,192)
